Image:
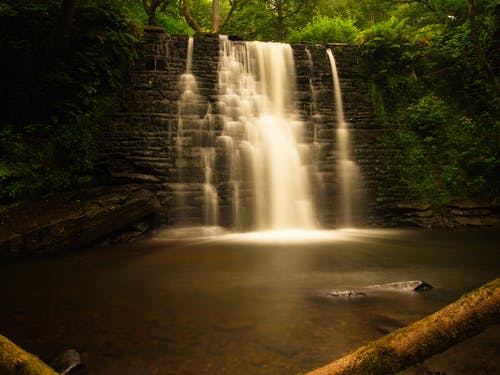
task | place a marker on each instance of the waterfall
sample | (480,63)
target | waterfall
(189,107)
(348,171)
(261,136)
(243,156)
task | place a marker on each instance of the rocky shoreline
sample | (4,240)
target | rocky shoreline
(455,214)
(75,220)
(123,213)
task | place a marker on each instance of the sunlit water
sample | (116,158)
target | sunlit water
(196,301)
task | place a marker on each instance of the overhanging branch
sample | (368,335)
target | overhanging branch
(410,345)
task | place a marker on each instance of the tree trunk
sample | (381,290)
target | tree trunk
(431,335)
(215,16)
(15,361)
(481,55)
(64,24)
(150,9)
(189,18)
(280,27)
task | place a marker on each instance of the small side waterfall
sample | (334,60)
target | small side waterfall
(348,171)
(262,134)
(189,118)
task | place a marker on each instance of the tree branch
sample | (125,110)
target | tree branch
(296,10)
(189,18)
(228,16)
(431,335)
(14,360)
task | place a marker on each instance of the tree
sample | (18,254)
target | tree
(216,26)
(64,24)
(150,6)
(478,48)
(285,9)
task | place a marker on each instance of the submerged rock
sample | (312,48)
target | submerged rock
(69,362)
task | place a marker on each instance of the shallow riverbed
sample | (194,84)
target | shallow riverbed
(188,302)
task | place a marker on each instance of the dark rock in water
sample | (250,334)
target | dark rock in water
(404,286)
(69,362)
(346,293)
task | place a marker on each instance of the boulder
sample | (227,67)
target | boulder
(76,220)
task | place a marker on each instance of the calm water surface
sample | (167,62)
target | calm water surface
(244,304)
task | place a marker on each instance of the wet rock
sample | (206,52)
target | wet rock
(404,286)
(468,204)
(401,286)
(76,220)
(472,213)
(69,362)
(346,293)
(412,206)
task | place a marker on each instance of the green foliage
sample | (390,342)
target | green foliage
(53,99)
(427,116)
(387,48)
(326,30)
(173,24)
(429,85)
(252,21)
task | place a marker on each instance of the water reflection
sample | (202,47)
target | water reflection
(205,302)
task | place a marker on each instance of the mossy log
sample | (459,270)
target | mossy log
(410,345)
(16,361)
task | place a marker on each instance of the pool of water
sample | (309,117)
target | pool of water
(198,302)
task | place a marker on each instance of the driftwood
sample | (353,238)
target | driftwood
(16,361)
(410,345)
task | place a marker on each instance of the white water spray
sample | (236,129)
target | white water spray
(262,132)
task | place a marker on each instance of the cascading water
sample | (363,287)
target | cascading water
(348,171)
(187,106)
(189,117)
(251,165)
(210,197)
(261,135)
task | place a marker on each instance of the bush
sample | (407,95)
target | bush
(327,30)
(427,116)
(429,90)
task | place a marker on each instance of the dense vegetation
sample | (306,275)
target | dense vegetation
(432,63)
(57,79)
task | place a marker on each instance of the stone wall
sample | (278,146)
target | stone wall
(143,142)
(146,143)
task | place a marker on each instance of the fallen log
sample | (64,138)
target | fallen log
(410,345)
(16,361)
